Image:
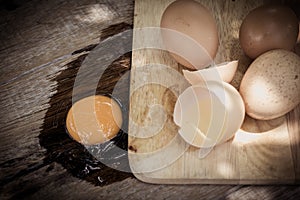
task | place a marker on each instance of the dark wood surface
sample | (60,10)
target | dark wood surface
(43,44)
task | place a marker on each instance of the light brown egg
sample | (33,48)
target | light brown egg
(192,38)
(268,27)
(271,85)
(94,120)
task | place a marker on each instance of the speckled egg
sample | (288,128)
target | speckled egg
(271,85)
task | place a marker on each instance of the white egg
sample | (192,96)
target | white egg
(209,113)
(221,72)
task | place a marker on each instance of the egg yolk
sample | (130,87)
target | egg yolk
(93,120)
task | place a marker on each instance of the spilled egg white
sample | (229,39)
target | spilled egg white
(209,113)
(223,71)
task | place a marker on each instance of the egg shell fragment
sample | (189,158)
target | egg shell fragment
(221,72)
(271,85)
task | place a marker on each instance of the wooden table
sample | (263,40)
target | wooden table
(43,43)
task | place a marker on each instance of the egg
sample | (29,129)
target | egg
(221,72)
(271,85)
(209,113)
(268,27)
(94,120)
(189,33)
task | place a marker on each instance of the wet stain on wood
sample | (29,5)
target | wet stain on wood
(87,162)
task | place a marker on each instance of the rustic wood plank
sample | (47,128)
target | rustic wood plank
(48,30)
(25,97)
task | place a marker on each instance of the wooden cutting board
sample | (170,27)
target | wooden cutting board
(261,152)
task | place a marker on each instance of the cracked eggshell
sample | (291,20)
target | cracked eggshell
(223,71)
(209,114)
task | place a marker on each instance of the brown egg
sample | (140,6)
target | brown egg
(94,120)
(193,39)
(268,27)
(271,85)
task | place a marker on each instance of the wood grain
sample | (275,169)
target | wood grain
(262,152)
(62,29)
(26,91)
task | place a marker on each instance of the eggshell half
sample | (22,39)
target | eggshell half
(209,113)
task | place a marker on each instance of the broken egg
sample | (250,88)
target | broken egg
(94,120)
(224,71)
(209,113)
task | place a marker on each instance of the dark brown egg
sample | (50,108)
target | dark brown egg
(268,27)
